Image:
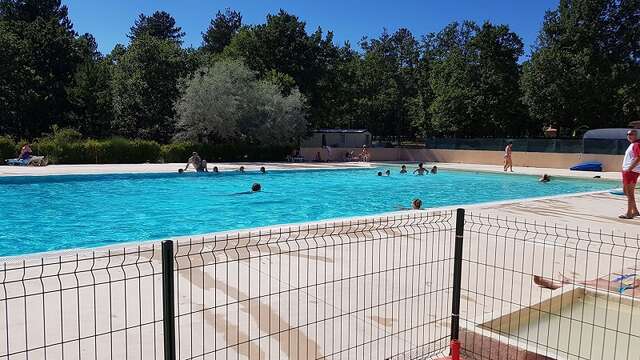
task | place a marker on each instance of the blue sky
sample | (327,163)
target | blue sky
(110,20)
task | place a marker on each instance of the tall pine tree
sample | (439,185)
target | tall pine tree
(37,62)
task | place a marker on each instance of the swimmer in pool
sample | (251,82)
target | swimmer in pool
(215,169)
(379,173)
(256,187)
(263,170)
(241,169)
(416,204)
(545,178)
(403,169)
(420,170)
(434,170)
(387,173)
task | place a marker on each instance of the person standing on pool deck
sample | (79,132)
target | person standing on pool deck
(508,162)
(364,155)
(630,172)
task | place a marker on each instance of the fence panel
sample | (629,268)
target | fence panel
(587,146)
(100,305)
(373,289)
(537,291)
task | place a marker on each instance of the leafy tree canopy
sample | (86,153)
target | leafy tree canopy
(585,69)
(221,30)
(226,102)
(160,25)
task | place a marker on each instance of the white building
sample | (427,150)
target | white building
(345,138)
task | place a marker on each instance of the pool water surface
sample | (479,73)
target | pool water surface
(72,211)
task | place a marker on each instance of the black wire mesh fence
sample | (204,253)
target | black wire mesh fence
(95,305)
(369,289)
(586,146)
(377,288)
(396,287)
(538,291)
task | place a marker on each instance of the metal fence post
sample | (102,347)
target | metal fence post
(457,284)
(168,305)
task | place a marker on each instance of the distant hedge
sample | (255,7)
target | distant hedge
(111,151)
(68,147)
(180,152)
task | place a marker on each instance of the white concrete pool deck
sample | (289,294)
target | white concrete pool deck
(253,166)
(205,286)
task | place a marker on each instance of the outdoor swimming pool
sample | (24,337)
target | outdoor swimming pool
(65,212)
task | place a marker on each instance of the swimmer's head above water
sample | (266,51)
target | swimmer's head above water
(416,204)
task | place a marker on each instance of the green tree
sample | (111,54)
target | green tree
(585,68)
(389,95)
(497,50)
(226,102)
(283,45)
(145,87)
(336,104)
(89,93)
(38,59)
(160,25)
(474,80)
(221,30)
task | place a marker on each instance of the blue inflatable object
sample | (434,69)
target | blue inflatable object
(616,192)
(588,166)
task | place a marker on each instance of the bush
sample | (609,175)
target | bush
(180,152)
(8,148)
(66,146)
(177,152)
(120,150)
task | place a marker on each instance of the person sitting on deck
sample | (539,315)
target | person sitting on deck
(26,158)
(25,152)
(420,170)
(625,282)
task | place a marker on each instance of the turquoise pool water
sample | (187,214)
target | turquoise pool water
(64,212)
